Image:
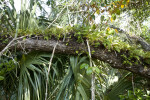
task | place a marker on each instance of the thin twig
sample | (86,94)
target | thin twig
(133,84)
(23,47)
(50,62)
(1,53)
(93,74)
(77,11)
(56,17)
(139,27)
(68,15)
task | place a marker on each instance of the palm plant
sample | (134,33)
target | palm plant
(65,79)
(76,84)
(110,83)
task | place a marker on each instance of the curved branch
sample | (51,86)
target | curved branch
(140,40)
(113,58)
(10,43)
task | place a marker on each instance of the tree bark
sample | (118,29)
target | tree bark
(70,47)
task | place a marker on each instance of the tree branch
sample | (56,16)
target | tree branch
(70,47)
(140,40)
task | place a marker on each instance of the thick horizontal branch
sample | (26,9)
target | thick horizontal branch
(70,47)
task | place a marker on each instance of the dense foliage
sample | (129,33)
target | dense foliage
(118,25)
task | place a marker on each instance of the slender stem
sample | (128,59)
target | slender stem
(133,84)
(93,74)
(56,17)
(93,87)
(77,12)
(68,15)
(50,63)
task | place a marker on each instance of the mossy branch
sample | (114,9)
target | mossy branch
(112,57)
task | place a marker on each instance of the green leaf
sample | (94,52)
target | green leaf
(84,65)
(1,77)
(97,70)
(113,16)
(111,32)
(82,92)
(77,96)
(106,2)
(102,4)
(102,18)
(46,37)
(93,17)
(89,70)
(118,12)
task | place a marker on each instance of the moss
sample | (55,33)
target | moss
(108,38)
